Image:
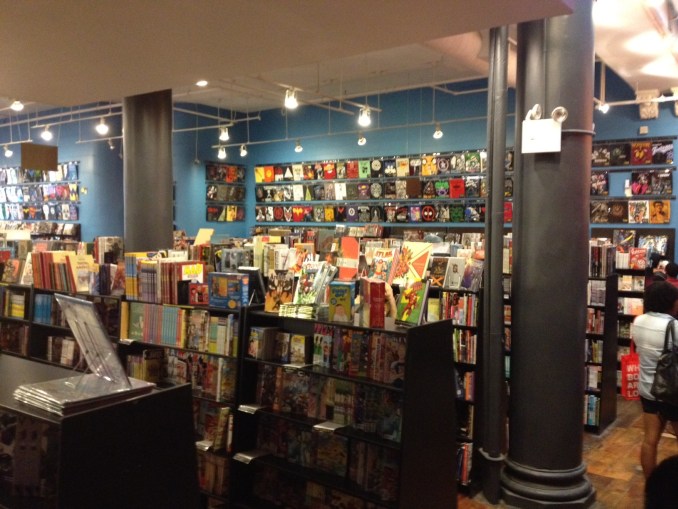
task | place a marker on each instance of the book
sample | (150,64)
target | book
(473,274)
(341,301)
(438,270)
(411,303)
(347,259)
(228,290)
(280,290)
(455,271)
(412,262)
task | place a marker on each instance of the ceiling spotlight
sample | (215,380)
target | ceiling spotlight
(110,144)
(201,83)
(221,154)
(102,127)
(364,118)
(46,134)
(223,134)
(243,150)
(8,151)
(438,133)
(291,99)
(603,107)
(298,147)
(17,106)
(361,139)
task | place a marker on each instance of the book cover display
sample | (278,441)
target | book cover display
(411,303)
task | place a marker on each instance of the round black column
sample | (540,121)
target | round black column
(147,171)
(550,272)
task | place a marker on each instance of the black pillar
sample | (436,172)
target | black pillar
(550,256)
(147,170)
(491,408)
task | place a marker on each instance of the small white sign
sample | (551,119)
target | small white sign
(541,136)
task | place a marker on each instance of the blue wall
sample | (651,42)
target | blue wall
(404,126)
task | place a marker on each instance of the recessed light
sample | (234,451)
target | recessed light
(201,83)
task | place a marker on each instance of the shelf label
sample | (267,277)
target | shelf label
(250,408)
(248,456)
(327,426)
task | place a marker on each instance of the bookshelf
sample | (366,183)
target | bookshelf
(319,447)
(195,345)
(123,464)
(600,398)
(225,192)
(462,308)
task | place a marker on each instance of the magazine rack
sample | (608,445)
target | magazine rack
(107,380)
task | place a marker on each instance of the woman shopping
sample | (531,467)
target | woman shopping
(648,333)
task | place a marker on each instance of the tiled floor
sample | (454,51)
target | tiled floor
(612,461)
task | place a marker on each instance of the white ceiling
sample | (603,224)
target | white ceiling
(74,52)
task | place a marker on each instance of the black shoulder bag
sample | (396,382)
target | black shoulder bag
(665,385)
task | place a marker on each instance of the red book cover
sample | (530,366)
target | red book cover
(457,188)
(638,257)
(329,171)
(641,152)
(352,169)
(377,302)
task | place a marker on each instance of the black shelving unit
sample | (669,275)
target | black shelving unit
(603,399)
(424,458)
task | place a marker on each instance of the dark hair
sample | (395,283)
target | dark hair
(660,297)
(661,489)
(671,269)
(655,258)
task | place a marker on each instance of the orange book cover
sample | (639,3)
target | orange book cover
(347,261)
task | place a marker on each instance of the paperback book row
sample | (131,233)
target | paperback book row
(464,343)
(464,463)
(632,153)
(182,327)
(213,473)
(466,385)
(224,192)
(150,277)
(631,211)
(469,212)
(43,229)
(461,308)
(67,171)
(228,173)
(625,249)
(282,488)
(225,213)
(591,410)
(13,303)
(63,350)
(592,377)
(40,193)
(14,338)
(595,292)
(366,408)
(594,350)
(471,161)
(595,321)
(373,354)
(401,189)
(654,182)
(372,468)
(211,377)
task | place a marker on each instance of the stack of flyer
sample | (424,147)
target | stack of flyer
(107,381)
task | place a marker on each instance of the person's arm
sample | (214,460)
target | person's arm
(390,304)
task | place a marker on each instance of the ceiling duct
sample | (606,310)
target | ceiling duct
(472,51)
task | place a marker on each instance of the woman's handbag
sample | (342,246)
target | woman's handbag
(665,385)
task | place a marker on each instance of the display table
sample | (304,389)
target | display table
(134,453)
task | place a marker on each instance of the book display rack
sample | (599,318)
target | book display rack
(225,192)
(44,202)
(600,399)
(644,170)
(347,423)
(441,188)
